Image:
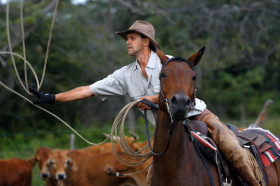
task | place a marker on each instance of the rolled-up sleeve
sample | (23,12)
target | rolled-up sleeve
(109,86)
(199,107)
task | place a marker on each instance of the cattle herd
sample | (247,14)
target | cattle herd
(91,166)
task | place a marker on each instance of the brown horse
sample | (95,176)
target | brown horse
(176,161)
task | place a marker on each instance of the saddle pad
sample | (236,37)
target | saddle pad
(207,148)
(272,154)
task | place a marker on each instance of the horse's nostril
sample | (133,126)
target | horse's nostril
(174,100)
(180,99)
(188,101)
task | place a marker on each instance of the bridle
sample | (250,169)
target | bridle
(178,59)
(171,125)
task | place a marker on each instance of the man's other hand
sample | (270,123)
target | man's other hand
(43,97)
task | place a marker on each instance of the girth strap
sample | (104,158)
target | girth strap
(187,129)
(222,163)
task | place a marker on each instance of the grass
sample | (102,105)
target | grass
(25,144)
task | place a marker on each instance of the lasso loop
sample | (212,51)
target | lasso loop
(27,64)
(142,155)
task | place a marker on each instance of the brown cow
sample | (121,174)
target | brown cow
(115,166)
(16,172)
(64,170)
(42,157)
(50,162)
(58,165)
(91,170)
(107,147)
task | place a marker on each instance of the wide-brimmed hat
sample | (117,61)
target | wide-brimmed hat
(143,27)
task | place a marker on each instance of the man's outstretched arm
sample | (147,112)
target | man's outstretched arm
(71,95)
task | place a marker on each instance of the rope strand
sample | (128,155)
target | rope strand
(26,63)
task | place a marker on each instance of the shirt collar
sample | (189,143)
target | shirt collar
(151,63)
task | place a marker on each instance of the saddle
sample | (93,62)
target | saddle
(257,144)
(247,138)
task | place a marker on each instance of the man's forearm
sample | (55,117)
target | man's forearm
(74,94)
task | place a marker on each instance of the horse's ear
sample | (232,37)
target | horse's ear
(194,59)
(162,56)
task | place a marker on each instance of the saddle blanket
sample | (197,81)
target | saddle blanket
(273,153)
(207,149)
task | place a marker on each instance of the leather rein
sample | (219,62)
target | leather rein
(185,122)
(155,107)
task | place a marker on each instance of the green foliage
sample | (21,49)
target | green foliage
(237,74)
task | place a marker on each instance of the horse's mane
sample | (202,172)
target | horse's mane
(180,59)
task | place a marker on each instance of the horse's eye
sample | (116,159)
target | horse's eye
(163,75)
(194,78)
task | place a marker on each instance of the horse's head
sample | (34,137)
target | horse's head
(177,84)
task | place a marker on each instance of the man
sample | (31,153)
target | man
(140,80)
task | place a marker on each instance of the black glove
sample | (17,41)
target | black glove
(43,98)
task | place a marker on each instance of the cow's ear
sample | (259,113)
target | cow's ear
(162,56)
(33,161)
(72,164)
(194,59)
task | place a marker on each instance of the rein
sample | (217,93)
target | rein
(148,136)
(202,157)
(185,123)
(187,130)
(155,107)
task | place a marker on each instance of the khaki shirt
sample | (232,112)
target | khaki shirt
(129,80)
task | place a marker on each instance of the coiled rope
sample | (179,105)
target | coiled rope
(137,157)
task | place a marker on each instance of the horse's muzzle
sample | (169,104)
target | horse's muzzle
(180,106)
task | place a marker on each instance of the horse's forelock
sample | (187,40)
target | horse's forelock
(180,59)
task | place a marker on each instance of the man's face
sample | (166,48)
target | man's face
(135,43)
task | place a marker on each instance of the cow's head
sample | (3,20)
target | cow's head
(115,165)
(60,163)
(42,157)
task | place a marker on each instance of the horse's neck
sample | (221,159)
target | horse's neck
(179,156)
(179,141)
